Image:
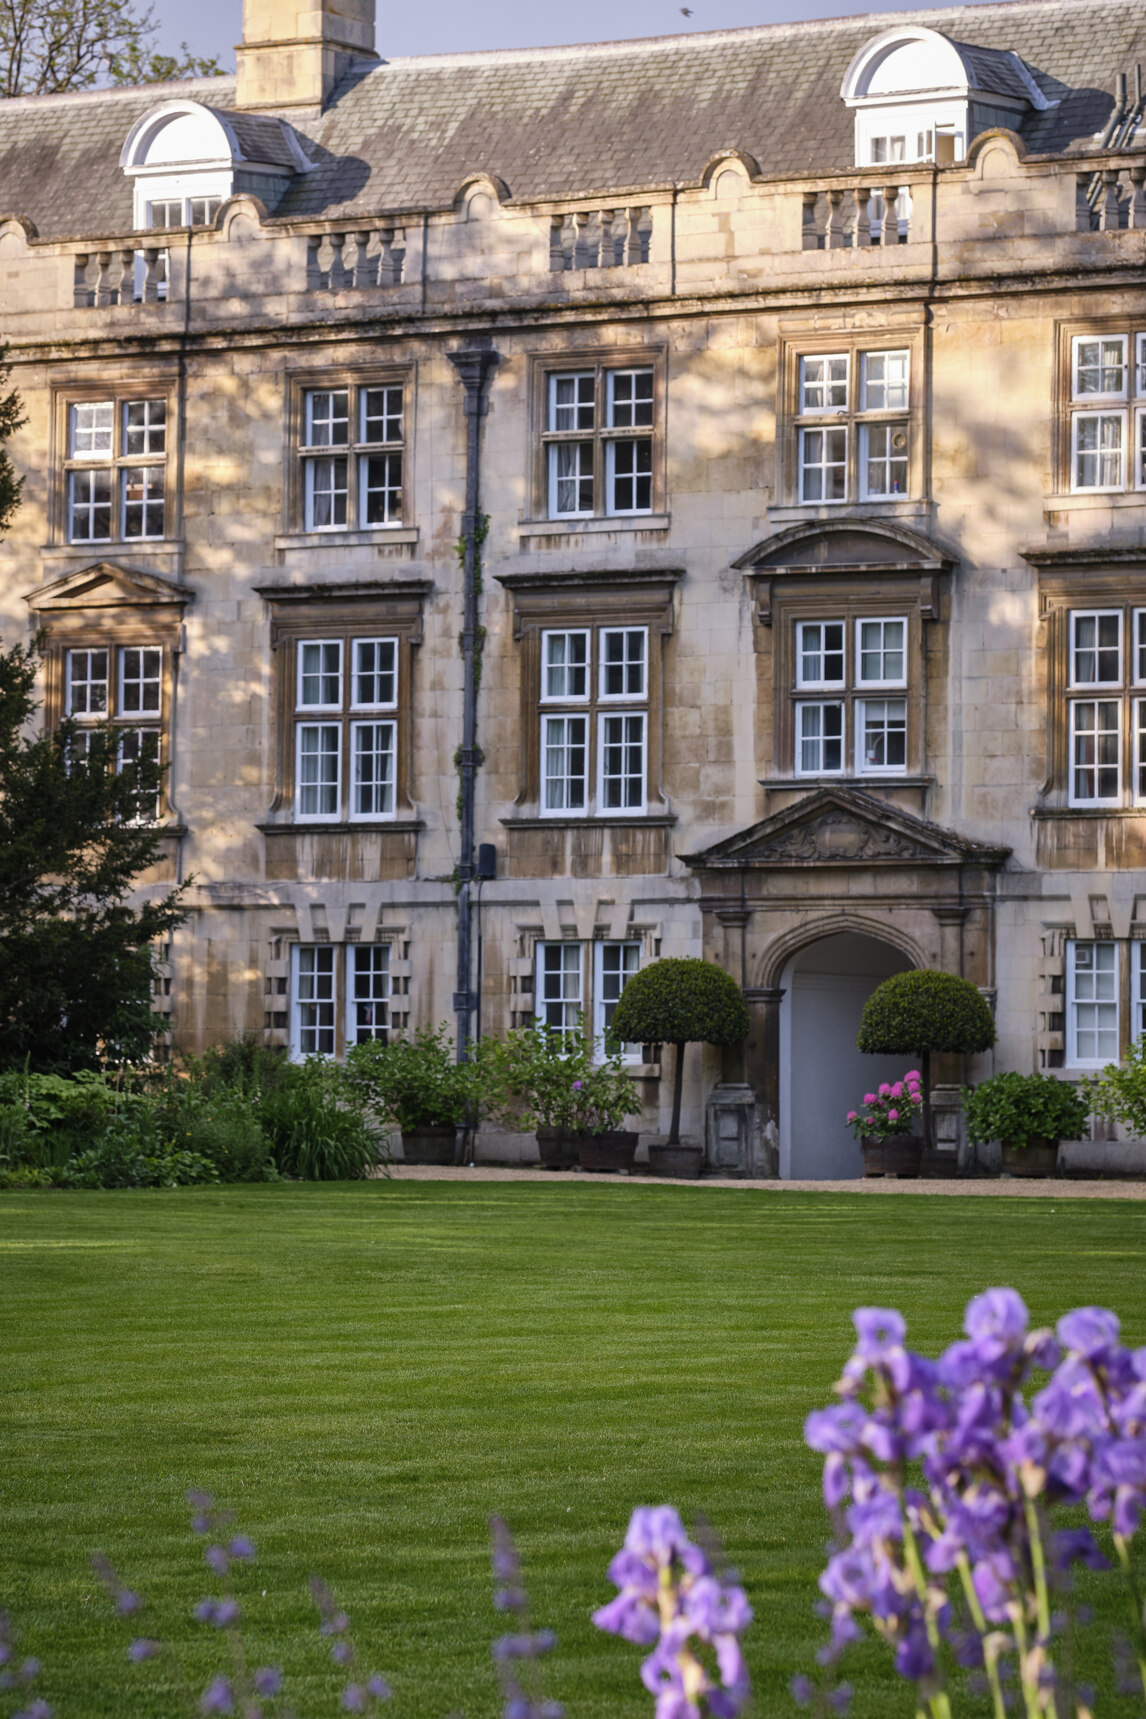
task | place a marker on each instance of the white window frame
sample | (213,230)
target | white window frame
(1138,990)
(107,652)
(1138,751)
(630,958)
(569,1005)
(882,621)
(860,720)
(380,1031)
(114,464)
(297,1002)
(390,784)
(549,633)
(303,708)
(821,704)
(1074,798)
(606,697)
(828,409)
(143,681)
(565,810)
(556,479)
(629,719)
(822,685)
(891,426)
(1074,1002)
(1077,343)
(381,640)
(635,477)
(142,732)
(355,452)
(1097,686)
(1098,414)
(319,817)
(902,385)
(825,465)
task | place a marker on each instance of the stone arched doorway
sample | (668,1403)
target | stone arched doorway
(822,1074)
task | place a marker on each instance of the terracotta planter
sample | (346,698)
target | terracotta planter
(679,1161)
(614,1150)
(557,1148)
(431,1145)
(898,1155)
(1038,1157)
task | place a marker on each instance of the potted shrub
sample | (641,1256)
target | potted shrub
(533,1074)
(917,1013)
(603,1098)
(885,1127)
(416,1085)
(1119,1090)
(1028,1114)
(678,1001)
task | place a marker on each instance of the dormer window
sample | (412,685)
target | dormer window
(186,159)
(182,211)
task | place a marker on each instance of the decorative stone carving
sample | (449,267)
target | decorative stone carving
(838,835)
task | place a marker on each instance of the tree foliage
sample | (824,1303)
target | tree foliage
(11,419)
(1120,1089)
(1017,1108)
(49,46)
(680,1000)
(76,962)
(915,1013)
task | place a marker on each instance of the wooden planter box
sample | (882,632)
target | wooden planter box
(898,1155)
(612,1151)
(557,1148)
(429,1145)
(679,1161)
(1038,1157)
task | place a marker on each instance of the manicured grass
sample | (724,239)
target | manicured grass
(366,1372)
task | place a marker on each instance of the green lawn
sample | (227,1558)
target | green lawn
(366,1372)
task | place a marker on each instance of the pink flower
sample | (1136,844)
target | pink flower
(897,1089)
(869,1097)
(851,1116)
(893,1116)
(885,1090)
(576,1086)
(913,1074)
(869,1121)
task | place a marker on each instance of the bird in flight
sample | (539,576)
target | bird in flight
(686,11)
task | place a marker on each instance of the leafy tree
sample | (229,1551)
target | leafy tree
(76,962)
(916,1013)
(680,1001)
(48,46)
(11,419)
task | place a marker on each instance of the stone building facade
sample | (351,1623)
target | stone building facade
(807,367)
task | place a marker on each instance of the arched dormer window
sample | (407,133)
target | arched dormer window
(920,96)
(186,159)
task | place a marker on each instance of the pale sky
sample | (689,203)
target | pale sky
(452,26)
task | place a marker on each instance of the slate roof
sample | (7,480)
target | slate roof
(553,122)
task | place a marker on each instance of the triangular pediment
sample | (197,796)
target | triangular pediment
(107,585)
(846,545)
(844,826)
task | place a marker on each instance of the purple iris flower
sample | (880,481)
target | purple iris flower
(218,1697)
(268,1680)
(839,1428)
(216,1559)
(1090,1331)
(142,1649)
(879,1331)
(630,1617)
(998,1316)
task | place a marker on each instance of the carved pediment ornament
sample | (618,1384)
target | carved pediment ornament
(846,545)
(107,585)
(839,836)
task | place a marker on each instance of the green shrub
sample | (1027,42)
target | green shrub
(1016,1108)
(680,1001)
(538,1078)
(1120,1089)
(913,1014)
(221,1124)
(133,1157)
(66,1114)
(316,1126)
(415,1082)
(244,1063)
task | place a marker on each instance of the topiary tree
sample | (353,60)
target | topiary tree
(916,1013)
(680,1001)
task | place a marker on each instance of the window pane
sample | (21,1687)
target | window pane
(327,418)
(372,748)
(314,1001)
(824,383)
(1098,450)
(145,427)
(885,379)
(566,659)
(89,507)
(616,964)
(140,680)
(882,651)
(381,414)
(571,401)
(319,760)
(882,737)
(623,662)
(320,673)
(571,478)
(369,985)
(820,653)
(380,489)
(630,399)
(1097,657)
(1140,749)
(823,465)
(1094,1002)
(375,673)
(86,683)
(622,762)
(884,458)
(138,750)
(143,501)
(820,739)
(325,494)
(92,427)
(1095,750)
(1139,982)
(558,982)
(204,210)
(631,476)
(166,212)
(563,763)
(1100,366)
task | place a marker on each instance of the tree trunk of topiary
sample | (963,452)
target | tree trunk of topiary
(926,1072)
(677,1082)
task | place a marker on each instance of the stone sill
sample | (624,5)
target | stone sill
(1044,812)
(402,826)
(1094,500)
(595,821)
(871,781)
(531,528)
(166,548)
(379,537)
(800,513)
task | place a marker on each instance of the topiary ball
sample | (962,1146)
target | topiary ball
(680,1000)
(926,1011)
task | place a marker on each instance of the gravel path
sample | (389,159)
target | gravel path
(1020,1187)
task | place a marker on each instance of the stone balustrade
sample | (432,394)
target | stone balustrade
(847,218)
(600,239)
(119,277)
(1112,198)
(366,257)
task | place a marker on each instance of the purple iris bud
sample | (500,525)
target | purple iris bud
(198,1499)
(879,1330)
(913,1657)
(268,1680)
(354,1698)
(241,1547)
(127,1603)
(218,1697)
(1076,1545)
(990,1592)
(802,1690)
(1090,1331)
(204,1612)
(226,1612)
(342,1653)
(29,1669)
(656,1532)
(630,1617)
(216,1559)
(509,1599)
(840,1699)
(378,1688)
(142,1649)
(37,1709)
(836,1480)
(999,1314)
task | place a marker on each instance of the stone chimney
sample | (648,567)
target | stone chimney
(294,52)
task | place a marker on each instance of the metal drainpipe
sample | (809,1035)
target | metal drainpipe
(473,365)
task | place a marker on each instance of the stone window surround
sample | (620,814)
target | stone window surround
(543,365)
(354,378)
(140,385)
(1131,403)
(580,602)
(808,342)
(366,609)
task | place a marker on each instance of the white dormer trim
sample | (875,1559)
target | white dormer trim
(858,78)
(196,163)
(135,156)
